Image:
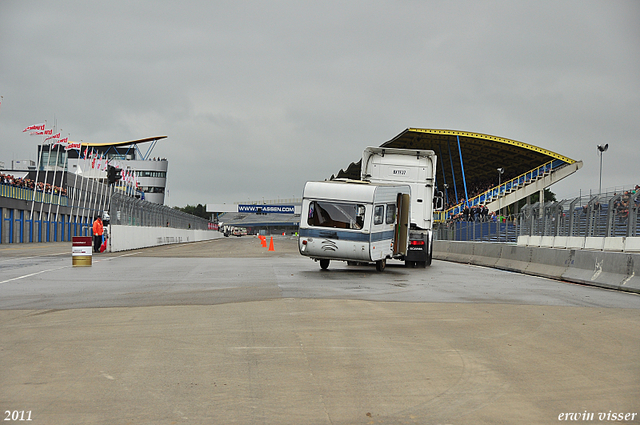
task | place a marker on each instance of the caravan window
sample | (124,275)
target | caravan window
(336,214)
(378,214)
(391,213)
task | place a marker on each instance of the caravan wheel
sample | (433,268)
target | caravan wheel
(324,264)
(381,264)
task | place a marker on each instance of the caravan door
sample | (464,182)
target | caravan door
(401,239)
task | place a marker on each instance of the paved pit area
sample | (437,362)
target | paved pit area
(227,332)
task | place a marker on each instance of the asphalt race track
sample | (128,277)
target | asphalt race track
(224,331)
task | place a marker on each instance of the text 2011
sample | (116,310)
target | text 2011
(17,415)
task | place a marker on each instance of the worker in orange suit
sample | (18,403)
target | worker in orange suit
(98,230)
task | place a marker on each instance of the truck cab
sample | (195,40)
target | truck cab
(416,168)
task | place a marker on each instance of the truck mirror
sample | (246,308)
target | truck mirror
(438,201)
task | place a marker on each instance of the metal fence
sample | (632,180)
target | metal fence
(606,215)
(125,210)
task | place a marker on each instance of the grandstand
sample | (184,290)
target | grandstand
(468,167)
(467,173)
(150,174)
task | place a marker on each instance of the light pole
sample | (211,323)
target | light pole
(601,149)
(446,195)
(500,173)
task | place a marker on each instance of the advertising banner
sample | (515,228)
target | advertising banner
(264,209)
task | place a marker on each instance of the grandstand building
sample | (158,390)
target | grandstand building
(149,174)
(473,169)
(479,169)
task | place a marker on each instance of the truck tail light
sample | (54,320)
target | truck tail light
(416,243)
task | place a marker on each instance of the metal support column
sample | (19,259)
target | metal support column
(453,175)
(464,179)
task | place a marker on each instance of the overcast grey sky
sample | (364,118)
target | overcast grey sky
(258,97)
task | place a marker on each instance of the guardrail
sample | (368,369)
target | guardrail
(612,270)
(26,194)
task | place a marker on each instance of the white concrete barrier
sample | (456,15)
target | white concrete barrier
(608,269)
(547,241)
(595,243)
(535,240)
(632,244)
(614,244)
(560,241)
(124,238)
(575,242)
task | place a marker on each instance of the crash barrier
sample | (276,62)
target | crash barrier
(613,270)
(124,238)
(587,220)
(620,244)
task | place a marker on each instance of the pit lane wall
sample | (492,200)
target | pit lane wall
(606,269)
(124,238)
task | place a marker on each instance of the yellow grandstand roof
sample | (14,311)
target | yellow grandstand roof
(482,155)
(433,137)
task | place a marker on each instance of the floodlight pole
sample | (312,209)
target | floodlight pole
(601,149)
(500,172)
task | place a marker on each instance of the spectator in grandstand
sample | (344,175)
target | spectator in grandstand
(465,213)
(623,208)
(30,184)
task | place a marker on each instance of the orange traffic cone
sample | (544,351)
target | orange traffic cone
(271,244)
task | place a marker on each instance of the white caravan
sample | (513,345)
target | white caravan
(354,221)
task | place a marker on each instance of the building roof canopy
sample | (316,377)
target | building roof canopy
(124,143)
(482,155)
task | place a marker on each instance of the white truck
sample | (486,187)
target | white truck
(416,168)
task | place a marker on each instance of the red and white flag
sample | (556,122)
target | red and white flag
(55,136)
(69,146)
(44,132)
(99,164)
(35,127)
